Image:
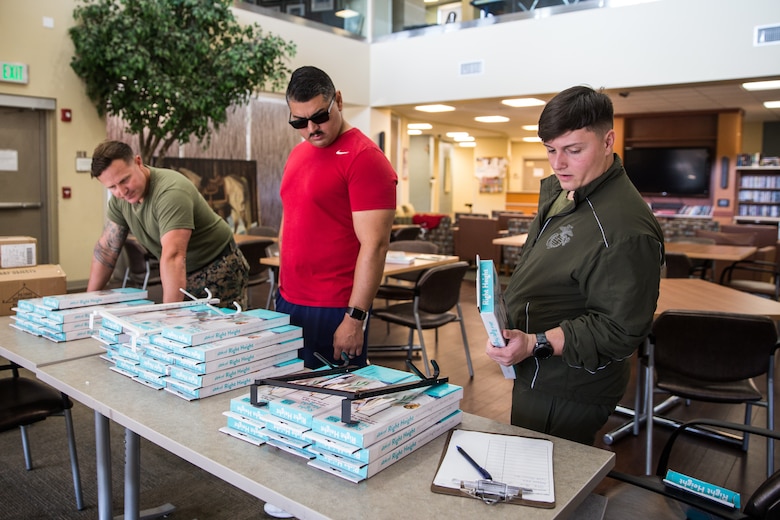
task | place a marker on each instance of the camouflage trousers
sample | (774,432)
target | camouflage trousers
(226,278)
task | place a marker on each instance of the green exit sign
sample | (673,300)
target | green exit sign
(14,72)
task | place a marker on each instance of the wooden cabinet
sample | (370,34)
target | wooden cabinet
(758,194)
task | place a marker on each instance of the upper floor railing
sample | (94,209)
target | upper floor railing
(375,20)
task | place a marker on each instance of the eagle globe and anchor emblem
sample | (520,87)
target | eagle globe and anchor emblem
(560,238)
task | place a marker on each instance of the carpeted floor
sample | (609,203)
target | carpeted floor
(46,492)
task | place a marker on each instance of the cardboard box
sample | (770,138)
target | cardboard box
(29,282)
(18,252)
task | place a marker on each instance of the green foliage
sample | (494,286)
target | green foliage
(171,68)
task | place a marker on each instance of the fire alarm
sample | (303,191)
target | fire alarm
(66,192)
(66,115)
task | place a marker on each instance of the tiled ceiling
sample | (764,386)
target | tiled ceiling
(714,96)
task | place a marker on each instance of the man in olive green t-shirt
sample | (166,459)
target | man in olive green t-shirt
(171,219)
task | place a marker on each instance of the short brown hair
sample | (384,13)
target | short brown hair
(107,152)
(575,108)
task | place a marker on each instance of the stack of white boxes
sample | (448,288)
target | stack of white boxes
(385,428)
(197,351)
(67,317)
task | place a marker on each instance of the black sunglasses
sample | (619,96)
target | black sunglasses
(318,118)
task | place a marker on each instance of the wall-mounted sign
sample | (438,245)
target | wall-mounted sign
(13,72)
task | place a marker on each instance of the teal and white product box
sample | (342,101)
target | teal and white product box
(85,313)
(226,326)
(86,299)
(287,428)
(278,353)
(492,309)
(255,430)
(232,346)
(290,445)
(380,448)
(703,489)
(211,378)
(356,472)
(26,325)
(150,320)
(191,392)
(66,336)
(243,406)
(301,406)
(400,410)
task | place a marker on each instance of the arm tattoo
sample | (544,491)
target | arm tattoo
(110,244)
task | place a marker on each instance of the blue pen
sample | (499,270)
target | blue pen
(482,471)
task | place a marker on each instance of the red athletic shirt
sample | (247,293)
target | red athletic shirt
(320,189)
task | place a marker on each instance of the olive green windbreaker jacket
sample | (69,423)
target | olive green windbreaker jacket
(594,269)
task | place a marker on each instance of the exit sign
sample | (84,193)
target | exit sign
(14,72)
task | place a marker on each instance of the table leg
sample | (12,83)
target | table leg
(132,473)
(103,449)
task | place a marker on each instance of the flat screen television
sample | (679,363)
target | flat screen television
(670,172)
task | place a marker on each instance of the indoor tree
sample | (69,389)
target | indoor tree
(169,69)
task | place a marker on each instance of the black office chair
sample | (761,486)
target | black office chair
(626,500)
(712,357)
(410,232)
(253,251)
(678,265)
(768,286)
(143,269)
(25,401)
(435,294)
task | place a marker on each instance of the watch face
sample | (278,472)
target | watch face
(543,351)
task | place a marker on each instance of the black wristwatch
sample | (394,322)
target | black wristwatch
(542,349)
(356,314)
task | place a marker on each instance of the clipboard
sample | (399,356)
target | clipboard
(495,491)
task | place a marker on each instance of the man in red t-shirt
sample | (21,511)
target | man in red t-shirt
(339,197)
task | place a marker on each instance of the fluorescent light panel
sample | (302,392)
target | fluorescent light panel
(523,102)
(531,128)
(762,85)
(434,108)
(419,126)
(346,13)
(491,119)
(413,131)
(772,104)
(532,139)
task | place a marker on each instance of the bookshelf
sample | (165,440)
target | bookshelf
(758,194)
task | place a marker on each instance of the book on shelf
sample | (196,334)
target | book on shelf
(492,308)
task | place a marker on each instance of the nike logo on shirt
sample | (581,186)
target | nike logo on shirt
(341,152)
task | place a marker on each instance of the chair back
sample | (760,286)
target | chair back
(253,251)
(142,267)
(438,289)
(263,231)
(678,265)
(713,346)
(410,232)
(414,246)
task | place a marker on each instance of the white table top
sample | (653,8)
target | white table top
(190,430)
(31,352)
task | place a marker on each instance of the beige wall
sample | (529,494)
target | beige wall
(48,51)
(617,47)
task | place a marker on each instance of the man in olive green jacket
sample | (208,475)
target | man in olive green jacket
(582,297)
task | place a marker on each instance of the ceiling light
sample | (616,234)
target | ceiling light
(531,128)
(456,134)
(468,144)
(463,138)
(523,102)
(491,119)
(346,13)
(772,104)
(419,126)
(762,85)
(434,108)
(532,139)
(412,131)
